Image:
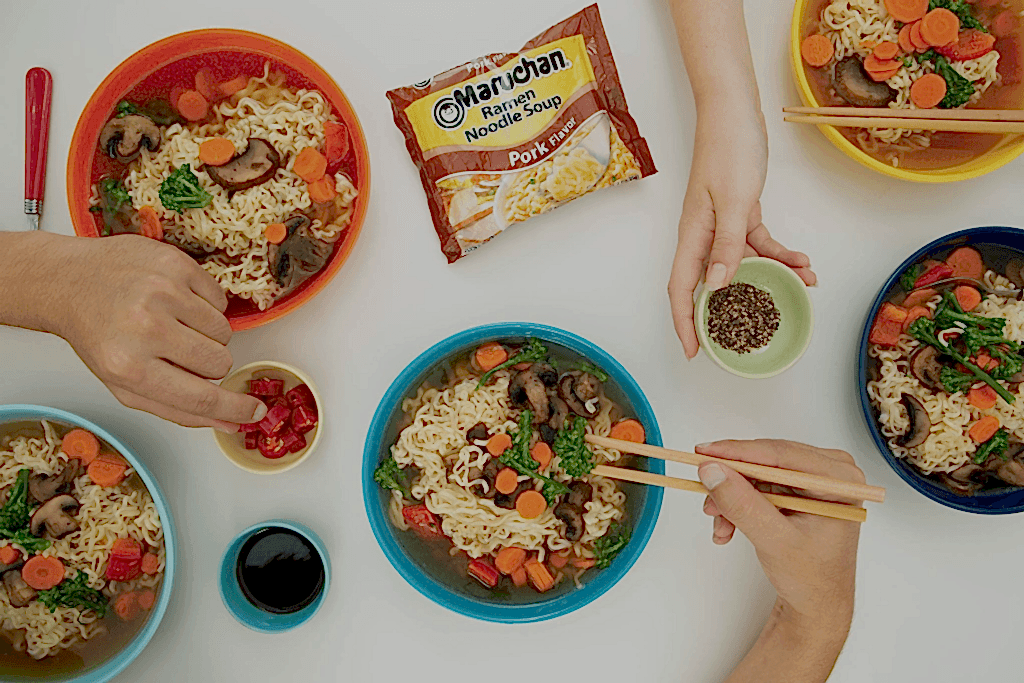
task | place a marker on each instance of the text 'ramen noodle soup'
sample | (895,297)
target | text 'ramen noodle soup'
(510,136)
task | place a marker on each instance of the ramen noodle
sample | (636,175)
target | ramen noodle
(511,136)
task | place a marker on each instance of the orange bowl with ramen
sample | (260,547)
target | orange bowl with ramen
(244,76)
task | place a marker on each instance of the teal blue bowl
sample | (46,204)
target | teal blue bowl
(245,612)
(643,505)
(118,662)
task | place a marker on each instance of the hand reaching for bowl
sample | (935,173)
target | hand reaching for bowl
(142,315)
(810,560)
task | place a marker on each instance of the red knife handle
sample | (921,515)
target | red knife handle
(38,94)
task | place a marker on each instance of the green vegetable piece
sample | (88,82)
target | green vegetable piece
(16,515)
(997,445)
(533,352)
(517,456)
(389,475)
(610,545)
(114,194)
(587,366)
(181,190)
(962,10)
(75,593)
(574,455)
(959,90)
(954,381)
(909,277)
(924,330)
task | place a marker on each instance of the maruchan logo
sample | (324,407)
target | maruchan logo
(448,113)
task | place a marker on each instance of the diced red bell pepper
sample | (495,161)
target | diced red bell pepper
(301,396)
(483,571)
(275,420)
(278,401)
(972,44)
(336,144)
(304,419)
(125,561)
(252,428)
(293,442)
(423,521)
(252,440)
(272,446)
(933,275)
(266,386)
(1009,60)
(888,325)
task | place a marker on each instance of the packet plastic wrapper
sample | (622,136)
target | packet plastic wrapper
(507,137)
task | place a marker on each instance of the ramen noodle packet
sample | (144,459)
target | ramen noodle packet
(510,136)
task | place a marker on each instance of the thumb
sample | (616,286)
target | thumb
(740,503)
(728,248)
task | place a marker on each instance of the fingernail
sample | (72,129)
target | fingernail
(716,277)
(702,446)
(711,475)
(261,412)
(227,430)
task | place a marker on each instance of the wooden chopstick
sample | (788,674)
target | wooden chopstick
(821,508)
(959,126)
(774,475)
(940,114)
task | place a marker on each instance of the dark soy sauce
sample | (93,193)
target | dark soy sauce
(279,571)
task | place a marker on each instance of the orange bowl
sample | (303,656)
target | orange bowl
(151,71)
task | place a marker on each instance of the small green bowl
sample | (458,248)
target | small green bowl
(796,321)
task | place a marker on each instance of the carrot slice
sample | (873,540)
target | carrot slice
(539,575)
(490,355)
(498,444)
(150,224)
(628,430)
(557,560)
(1005,24)
(919,297)
(509,560)
(940,27)
(915,313)
(276,233)
(541,452)
(323,191)
(310,165)
(206,84)
(886,50)
(904,38)
(229,88)
(983,397)
(176,92)
(888,325)
(127,606)
(80,444)
(506,481)
(519,577)
(9,555)
(107,470)
(150,564)
(193,106)
(966,262)
(906,10)
(984,429)
(584,562)
(531,504)
(42,572)
(216,151)
(817,50)
(927,91)
(968,297)
(916,38)
(146,599)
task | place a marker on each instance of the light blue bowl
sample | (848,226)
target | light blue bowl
(117,663)
(245,612)
(383,429)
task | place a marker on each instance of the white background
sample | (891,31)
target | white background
(939,593)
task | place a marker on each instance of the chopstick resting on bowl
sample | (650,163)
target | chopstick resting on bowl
(774,475)
(1004,121)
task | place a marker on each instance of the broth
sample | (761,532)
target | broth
(19,666)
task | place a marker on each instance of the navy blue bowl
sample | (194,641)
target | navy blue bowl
(645,502)
(996,501)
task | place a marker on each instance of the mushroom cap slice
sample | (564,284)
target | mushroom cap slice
(255,166)
(527,389)
(19,593)
(43,487)
(853,84)
(573,520)
(123,138)
(567,392)
(52,517)
(920,423)
(926,367)
(300,256)
(580,493)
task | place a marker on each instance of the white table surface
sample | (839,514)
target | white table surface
(939,593)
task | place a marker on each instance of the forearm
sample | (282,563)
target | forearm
(713,40)
(35,264)
(787,652)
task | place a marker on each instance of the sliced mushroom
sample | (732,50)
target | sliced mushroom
(567,392)
(559,411)
(490,475)
(527,390)
(926,367)
(920,424)
(508,501)
(854,85)
(43,487)
(255,166)
(963,488)
(1010,470)
(14,565)
(123,138)
(573,521)
(548,433)
(580,493)
(53,518)
(19,593)
(300,256)
(545,373)
(477,432)
(1014,272)
(587,387)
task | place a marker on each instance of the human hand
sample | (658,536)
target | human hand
(149,322)
(721,219)
(811,560)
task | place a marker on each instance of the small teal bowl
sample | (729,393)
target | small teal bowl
(646,501)
(995,501)
(245,612)
(118,662)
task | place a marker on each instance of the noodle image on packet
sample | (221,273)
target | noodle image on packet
(511,136)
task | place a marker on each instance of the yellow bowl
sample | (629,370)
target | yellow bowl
(233,446)
(1004,152)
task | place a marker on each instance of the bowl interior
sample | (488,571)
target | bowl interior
(118,661)
(796,321)
(233,445)
(244,611)
(1009,148)
(436,575)
(997,245)
(153,70)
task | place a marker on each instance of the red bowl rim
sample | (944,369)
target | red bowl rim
(157,55)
